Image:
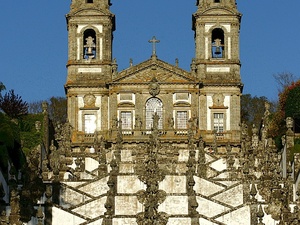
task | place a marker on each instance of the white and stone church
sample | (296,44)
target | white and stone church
(111,114)
(155,144)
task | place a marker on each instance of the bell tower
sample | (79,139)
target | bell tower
(217,24)
(90,32)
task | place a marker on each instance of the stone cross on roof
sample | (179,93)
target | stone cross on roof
(154,41)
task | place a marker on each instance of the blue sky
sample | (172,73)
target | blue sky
(33,41)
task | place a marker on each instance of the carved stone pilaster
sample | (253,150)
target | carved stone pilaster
(102,168)
(191,172)
(14,217)
(151,174)
(40,215)
(111,193)
(201,167)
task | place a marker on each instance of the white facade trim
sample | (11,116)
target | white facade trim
(89,70)
(101,48)
(227,104)
(78,48)
(218,69)
(206,48)
(227,26)
(208,26)
(98,26)
(209,101)
(229,47)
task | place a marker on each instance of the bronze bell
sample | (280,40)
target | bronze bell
(218,50)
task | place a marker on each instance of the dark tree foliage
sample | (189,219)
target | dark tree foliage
(10,144)
(292,104)
(288,106)
(252,108)
(292,107)
(58,109)
(13,105)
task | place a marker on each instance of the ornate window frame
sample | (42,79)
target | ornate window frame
(154,105)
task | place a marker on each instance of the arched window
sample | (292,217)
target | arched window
(89,1)
(154,105)
(89,44)
(217,45)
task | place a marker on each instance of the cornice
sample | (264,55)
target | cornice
(153,64)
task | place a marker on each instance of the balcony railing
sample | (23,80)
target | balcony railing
(143,134)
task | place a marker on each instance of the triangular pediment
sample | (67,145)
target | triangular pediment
(146,71)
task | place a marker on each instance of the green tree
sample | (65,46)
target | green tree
(58,109)
(253,109)
(288,106)
(11,154)
(13,105)
(10,144)
(292,105)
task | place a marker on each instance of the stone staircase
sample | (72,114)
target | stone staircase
(220,199)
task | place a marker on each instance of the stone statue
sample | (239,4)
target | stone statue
(289,123)
(115,123)
(171,123)
(155,120)
(138,122)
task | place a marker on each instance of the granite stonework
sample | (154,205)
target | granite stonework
(67,217)
(154,143)
(127,206)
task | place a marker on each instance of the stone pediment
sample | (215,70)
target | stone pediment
(219,11)
(96,11)
(85,12)
(146,71)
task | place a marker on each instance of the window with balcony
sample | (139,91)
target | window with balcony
(182,119)
(126,118)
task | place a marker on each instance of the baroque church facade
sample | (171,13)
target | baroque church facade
(156,144)
(207,97)
(145,142)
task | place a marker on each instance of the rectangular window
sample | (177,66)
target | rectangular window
(89,124)
(126,118)
(182,119)
(219,122)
